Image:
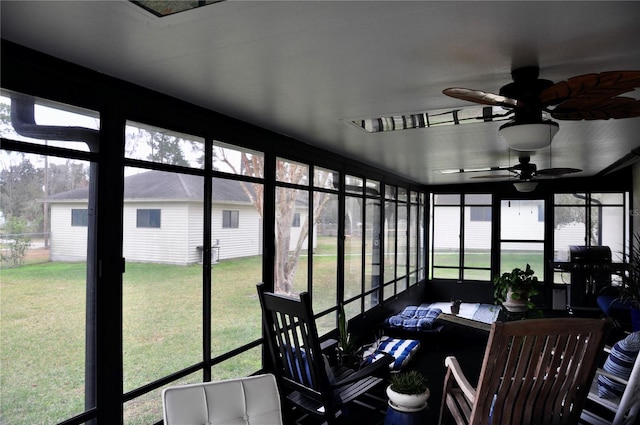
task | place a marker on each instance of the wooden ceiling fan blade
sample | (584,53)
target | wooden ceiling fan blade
(585,108)
(559,171)
(475,170)
(493,176)
(604,85)
(481,97)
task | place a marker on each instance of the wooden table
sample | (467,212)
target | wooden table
(473,315)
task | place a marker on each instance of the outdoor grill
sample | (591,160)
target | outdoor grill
(590,268)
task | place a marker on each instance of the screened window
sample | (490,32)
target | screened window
(236,160)
(235,311)
(324,254)
(461,236)
(47,320)
(230,219)
(160,145)
(148,218)
(522,233)
(79,217)
(293,192)
(589,219)
(363,235)
(187,305)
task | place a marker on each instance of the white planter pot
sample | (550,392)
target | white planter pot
(515,306)
(407,402)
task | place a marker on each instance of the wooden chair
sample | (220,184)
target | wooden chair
(303,372)
(535,371)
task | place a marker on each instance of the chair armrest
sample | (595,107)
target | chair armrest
(370,369)
(329,343)
(456,371)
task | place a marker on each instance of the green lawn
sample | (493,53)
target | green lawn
(43,333)
(42,330)
(509,260)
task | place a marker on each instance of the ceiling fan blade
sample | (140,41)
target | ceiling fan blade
(484,98)
(556,171)
(413,120)
(474,170)
(604,85)
(587,108)
(493,176)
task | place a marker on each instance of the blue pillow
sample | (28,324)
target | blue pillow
(620,363)
(296,369)
(414,317)
(401,349)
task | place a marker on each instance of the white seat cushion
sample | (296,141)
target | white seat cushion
(253,400)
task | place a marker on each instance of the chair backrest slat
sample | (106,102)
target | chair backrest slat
(538,371)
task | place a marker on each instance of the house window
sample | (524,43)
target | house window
(480,213)
(230,219)
(296,220)
(79,217)
(148,218)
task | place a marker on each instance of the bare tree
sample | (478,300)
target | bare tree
(287,251)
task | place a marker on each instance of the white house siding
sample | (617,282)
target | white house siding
(565,236)
(447,228)
(477,234)
(525,226)
(67,242)
(612,230)
(195,217)
(296,231)
(523,223)
(239,242)
(167,244)
(175,242)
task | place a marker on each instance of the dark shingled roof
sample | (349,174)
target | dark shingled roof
(166,185)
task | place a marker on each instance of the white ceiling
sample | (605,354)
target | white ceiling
(303,68)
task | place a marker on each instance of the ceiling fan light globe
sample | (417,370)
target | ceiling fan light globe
(525,186)
(529,137)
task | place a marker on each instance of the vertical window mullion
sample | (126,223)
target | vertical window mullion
(461,239)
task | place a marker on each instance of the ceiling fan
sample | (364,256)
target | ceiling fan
(585,97)
(525,170)
(527,102)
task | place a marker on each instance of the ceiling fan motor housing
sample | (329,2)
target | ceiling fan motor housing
(526,88)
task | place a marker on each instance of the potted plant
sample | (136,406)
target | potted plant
(455,306)
(408,391)
(347,347)
(514,289)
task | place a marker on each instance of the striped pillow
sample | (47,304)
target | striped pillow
(620,362)
(401,349)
